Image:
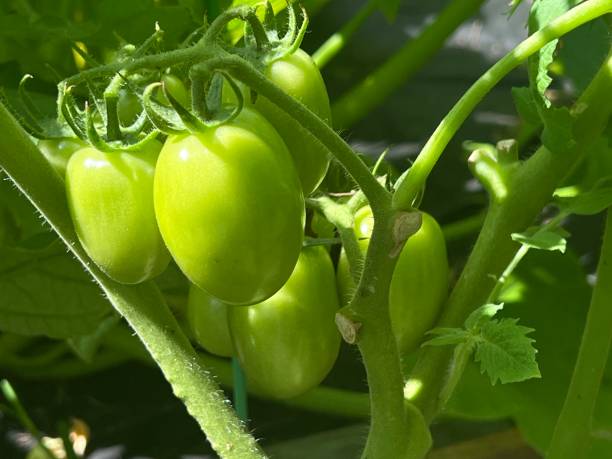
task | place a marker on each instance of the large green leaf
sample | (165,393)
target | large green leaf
(46,292)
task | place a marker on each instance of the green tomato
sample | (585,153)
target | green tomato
(207,319)
(298,76)
(288,343)
(230,208)
(59,151)
(175,86)
(419,284)
(129,107)
(110,196)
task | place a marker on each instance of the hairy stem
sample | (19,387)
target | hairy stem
(419,171)
(572,434)
(380,84)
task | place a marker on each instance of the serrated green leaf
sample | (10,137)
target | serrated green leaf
(590,202)
(542,12)
(46,292)
(505,352)
(481,315)
(542,239)
(447,336)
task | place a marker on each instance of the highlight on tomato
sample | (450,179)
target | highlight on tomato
(230,208)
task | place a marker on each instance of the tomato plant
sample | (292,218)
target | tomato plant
(110,196)
(221,180)
(228,208)
(419,284)
(207,319)
(288,343)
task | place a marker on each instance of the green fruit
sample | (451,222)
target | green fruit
(110,196)
(288,343)
(298,76)
(230,208)
(207,319)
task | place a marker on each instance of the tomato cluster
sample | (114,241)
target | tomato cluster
(227,204)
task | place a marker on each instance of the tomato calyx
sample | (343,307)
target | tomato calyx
(207,109)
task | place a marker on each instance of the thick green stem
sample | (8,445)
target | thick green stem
(369,308)
(377,86)
(334,44)
(572,434)
(421,168)
(142,305)
(531,189)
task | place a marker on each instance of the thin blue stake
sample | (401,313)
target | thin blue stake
(240,390)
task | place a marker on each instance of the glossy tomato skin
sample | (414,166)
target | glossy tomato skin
(110,196)
(288,343)
(230,208)
(59,151)
(419,284)
(207,319)
(298,76)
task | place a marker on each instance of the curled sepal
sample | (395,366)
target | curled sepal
(494,167)
(94,138)
(71,113)
(31,109)
(207,88)
(34,131)
(292,39)
(224,114)
(163,118)
(141,123)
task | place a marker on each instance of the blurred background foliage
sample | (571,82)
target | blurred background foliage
(126,402)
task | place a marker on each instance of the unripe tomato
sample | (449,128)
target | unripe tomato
(419,284)
(207,319)
(129,107)
(59,151)
(288,343)
(298,76)
(230,208)
(110,196)
(175,86)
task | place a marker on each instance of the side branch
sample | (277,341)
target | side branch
(416,176)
